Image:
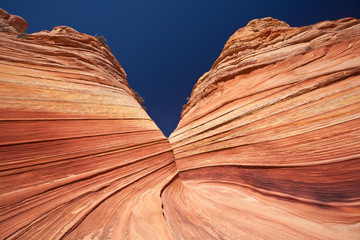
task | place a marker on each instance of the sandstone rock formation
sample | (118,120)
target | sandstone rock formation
(80,158)
(12,23)
(268,146)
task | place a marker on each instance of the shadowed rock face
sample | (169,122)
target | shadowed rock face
(267,147)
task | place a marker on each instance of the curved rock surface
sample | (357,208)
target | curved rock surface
(80,158)
(12,23)
(268,146)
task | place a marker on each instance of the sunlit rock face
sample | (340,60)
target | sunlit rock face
(79,157)
(12,23)
(268,146)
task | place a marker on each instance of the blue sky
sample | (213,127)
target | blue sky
(165,46)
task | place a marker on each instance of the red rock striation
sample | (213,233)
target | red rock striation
(80,158)
(268,146)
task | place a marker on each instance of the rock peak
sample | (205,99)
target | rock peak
(267,22)
(12,23)
(64,30)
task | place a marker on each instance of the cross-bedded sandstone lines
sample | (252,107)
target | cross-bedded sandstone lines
(268,145)
(80,158)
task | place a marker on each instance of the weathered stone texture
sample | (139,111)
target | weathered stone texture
(80,158)
(268,146)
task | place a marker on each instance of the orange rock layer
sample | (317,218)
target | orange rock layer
(80,158)
(268,146)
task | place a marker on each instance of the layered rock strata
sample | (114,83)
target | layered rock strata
(268,146)
(80,158)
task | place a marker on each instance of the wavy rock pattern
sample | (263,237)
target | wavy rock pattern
(268,146)
(80,158)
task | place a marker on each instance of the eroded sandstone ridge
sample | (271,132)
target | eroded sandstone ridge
(80,158)
(268,146)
